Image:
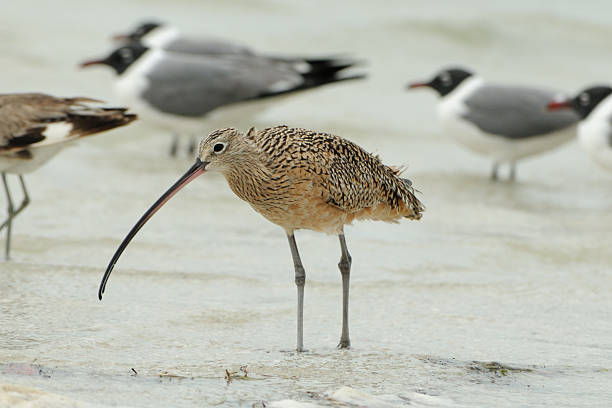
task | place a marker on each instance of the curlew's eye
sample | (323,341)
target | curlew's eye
(584,99)
(219,147)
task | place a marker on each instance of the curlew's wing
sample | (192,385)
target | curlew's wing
(348,177)
(37,119)
(357,180)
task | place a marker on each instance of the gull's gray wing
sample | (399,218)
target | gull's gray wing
(193,85)
(190,85)
(516,112)
(209,46)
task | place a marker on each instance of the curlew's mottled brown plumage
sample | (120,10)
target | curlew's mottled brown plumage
(300,179)
(34,127)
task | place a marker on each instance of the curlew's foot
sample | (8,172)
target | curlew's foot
(344,344)
(294,351)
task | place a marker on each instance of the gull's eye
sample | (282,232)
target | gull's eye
(126,54)
(445,78)
(584,99)
(219,147)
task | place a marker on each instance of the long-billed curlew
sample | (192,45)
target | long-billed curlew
(504,122)
(299,179)
(34,127)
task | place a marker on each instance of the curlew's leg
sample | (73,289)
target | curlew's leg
(300,281)
(512,171)
(174,145)
(12,212)
(345,271)
(494,171)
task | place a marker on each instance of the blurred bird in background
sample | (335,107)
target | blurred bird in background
(504,122)
(34,127)
(594,105)
(153,34)
(174,82)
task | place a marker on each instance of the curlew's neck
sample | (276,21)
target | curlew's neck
(249,179)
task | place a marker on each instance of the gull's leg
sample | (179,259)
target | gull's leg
(174,145)
(345,271)
(193,143)
(300,280)
(512,171)
(8,222)
(494,171)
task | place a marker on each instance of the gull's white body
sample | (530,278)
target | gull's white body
(451,111)
(595,134)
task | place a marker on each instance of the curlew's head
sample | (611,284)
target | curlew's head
(218,152)
(223,148)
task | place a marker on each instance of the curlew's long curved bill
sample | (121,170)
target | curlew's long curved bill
(198,168)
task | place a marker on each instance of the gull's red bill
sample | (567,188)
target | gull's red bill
(121,37)
(558,105)
(198,168)
(418,85)
(92,62)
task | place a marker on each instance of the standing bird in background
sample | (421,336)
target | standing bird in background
(504,122)
(177,91)
(34,127)
(299,179)
(165,37)
(594,105)
(154,34)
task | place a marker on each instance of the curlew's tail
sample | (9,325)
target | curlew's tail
(414,207)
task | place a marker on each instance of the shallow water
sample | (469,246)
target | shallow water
(517,274)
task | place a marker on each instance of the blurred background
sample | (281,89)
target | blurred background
(517,274)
